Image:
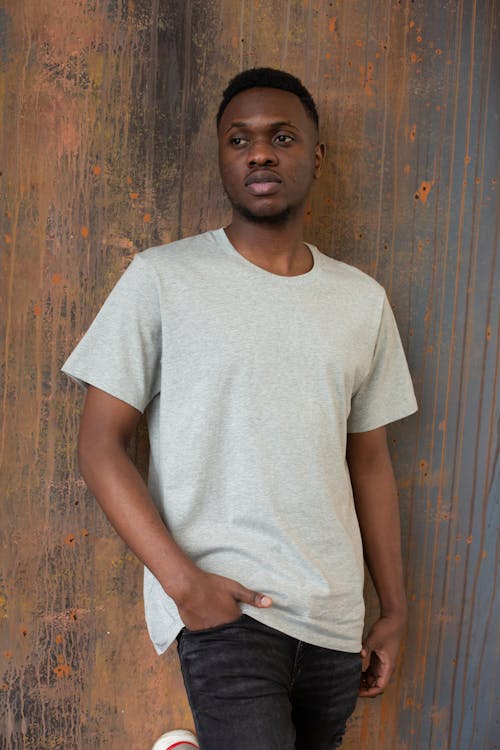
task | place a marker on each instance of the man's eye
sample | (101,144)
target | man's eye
(237,140)
(283,138)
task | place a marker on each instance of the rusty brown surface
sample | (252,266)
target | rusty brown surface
(107,147)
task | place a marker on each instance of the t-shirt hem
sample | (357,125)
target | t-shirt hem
(161,647)
(293,627)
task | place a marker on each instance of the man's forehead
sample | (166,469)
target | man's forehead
(264,103)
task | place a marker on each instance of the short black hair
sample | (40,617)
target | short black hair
(272,79)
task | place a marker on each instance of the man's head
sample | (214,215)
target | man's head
(268,78)
(269,152)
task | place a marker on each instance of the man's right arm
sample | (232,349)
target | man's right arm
(203,599)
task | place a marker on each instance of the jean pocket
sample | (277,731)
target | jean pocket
(215,628)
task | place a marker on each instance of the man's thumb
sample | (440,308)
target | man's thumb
(261,600)
(254,598)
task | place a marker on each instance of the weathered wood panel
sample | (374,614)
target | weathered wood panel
(108,146)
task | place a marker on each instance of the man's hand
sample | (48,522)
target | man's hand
(379,653)
(209,600)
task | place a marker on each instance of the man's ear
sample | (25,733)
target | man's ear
(319,158)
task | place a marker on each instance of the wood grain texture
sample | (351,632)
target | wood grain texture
(107,147)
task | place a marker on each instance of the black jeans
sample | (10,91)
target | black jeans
(251,687)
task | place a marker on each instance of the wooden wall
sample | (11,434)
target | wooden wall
(108,146)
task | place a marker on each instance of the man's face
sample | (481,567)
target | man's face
(268,154)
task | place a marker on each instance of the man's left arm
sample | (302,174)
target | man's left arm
(376,501)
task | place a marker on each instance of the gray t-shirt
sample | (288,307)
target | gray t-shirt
(251,382)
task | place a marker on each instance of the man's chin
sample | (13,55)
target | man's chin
(275,218)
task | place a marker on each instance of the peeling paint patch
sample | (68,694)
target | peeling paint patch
(423,192)
(62,670)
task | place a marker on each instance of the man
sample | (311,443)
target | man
(268,372)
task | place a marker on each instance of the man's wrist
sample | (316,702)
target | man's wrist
(180,586)
(397,611)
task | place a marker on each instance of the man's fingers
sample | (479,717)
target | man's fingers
(370,692)
(370,686)
(375,677)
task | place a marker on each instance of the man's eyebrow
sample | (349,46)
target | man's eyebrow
(272,125)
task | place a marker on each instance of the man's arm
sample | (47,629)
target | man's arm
(203,599)
(376,501)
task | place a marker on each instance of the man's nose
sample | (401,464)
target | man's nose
(261,153)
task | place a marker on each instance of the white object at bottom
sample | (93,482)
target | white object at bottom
(177,738)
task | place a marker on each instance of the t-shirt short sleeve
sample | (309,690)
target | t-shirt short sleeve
(121,351)
(386,392)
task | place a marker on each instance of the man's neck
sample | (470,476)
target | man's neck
(278,249)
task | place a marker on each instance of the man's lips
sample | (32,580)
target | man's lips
(262,183)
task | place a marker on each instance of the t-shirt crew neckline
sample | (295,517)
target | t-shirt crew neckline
(303,278)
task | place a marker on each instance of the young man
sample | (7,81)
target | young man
(268,372)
